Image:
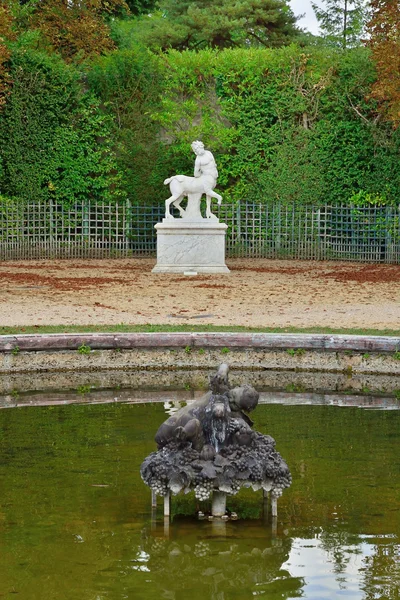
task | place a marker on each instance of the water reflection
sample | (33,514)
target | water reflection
(339,564)
(218,561)
(194,561)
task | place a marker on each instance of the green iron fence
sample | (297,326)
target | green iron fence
(97,230)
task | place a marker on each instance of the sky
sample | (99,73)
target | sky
(309,21)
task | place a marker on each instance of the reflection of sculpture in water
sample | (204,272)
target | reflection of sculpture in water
(203,182)
(217,568)
(209,446)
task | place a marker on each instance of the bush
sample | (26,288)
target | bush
(55,140)
(284,124)
(44,93)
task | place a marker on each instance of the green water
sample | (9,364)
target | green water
(75,517)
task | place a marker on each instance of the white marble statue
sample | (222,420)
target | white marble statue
(203,182)
(192,244)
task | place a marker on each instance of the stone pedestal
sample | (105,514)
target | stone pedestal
(191,245)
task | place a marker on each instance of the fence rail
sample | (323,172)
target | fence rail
(93,230)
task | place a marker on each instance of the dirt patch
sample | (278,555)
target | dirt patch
(368,274)
(282,270)
(213,286)
(57,283)
(257,292)
(100,305)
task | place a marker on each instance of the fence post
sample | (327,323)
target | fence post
(388,234)
(318,246)
(278,237)
(85,218)
(51,221)
(128,222)
(238,219)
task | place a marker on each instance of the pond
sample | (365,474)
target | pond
(76,522)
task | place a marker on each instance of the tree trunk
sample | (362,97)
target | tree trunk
(345,15)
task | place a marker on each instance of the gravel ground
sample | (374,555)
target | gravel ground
(257,292)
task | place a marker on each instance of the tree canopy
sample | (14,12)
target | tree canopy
(76,29)
(384,29)
(6,34)
(217,24)
(141,7)
(342,22)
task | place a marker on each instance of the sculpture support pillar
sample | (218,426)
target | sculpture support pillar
(218,527)
(218,507)
(265,506)
(153,519)
(274,506)
(167,504)
(166,527)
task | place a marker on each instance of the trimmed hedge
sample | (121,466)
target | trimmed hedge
(289,124)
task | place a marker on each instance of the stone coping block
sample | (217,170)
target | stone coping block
(99,341)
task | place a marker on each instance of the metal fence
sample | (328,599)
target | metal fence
(49,230)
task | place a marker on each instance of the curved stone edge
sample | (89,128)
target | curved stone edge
(105,341)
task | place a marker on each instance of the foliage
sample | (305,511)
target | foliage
(84,349)
(77,30)
(296,351)
(217,24)
(44,93)
(80,167)
(141,7)
(54,142)
(285,124)
(363,198)
(384,30)
(342,22)
(6,34)
(129,85)
(294,173)
(10,213)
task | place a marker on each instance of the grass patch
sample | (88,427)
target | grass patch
(147,328)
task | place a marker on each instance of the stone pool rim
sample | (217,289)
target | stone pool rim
(197,340)
(329,353)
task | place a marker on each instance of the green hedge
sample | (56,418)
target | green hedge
(56,141)
(290,124)
(285,125)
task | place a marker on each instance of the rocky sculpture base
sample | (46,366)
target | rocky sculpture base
(191,246)
(178,467)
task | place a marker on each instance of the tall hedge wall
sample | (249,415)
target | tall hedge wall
(290,124)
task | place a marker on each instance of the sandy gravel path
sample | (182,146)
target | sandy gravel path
(257,292)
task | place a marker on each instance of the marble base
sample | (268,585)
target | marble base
(196,246)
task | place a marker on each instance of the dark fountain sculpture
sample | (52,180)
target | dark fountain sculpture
(209,446)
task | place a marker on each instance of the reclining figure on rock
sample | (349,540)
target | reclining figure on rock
(216,419)
(203,182)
